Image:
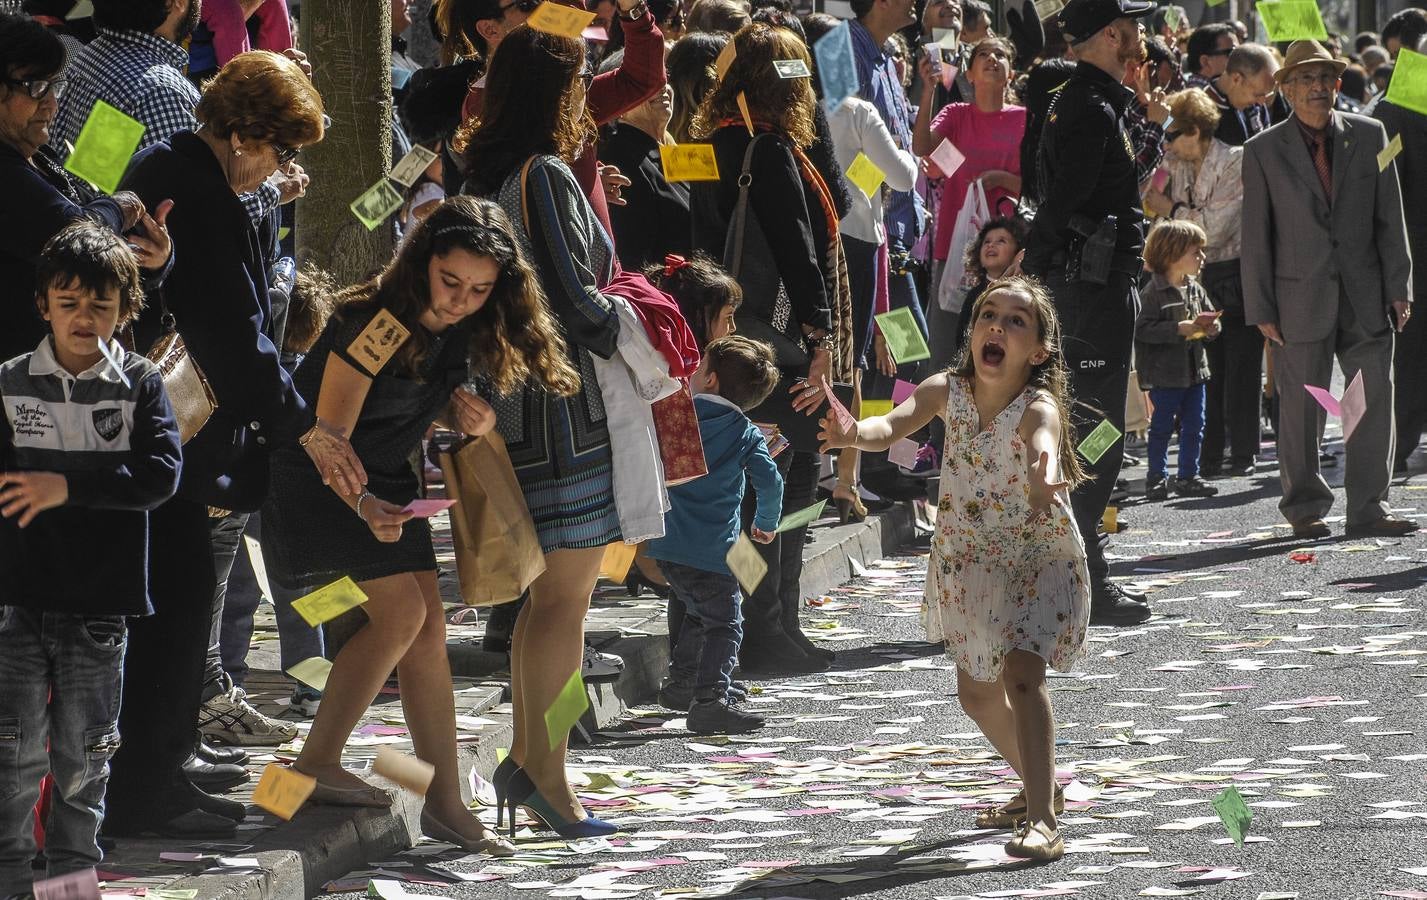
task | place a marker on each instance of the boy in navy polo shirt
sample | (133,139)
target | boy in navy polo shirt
(88,444)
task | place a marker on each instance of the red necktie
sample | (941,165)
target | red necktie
(1320,162)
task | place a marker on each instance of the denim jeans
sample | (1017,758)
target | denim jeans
(62,676)
(712,629)
(296,639)
(1186,404)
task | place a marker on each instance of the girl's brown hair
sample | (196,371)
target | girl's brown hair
(514,338)
(264,96)
(309,306)
(1051,377)
(529,109)
(785,103)
(692,76)
(1015,226)
(700,286)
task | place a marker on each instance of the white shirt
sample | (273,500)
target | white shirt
(857,127)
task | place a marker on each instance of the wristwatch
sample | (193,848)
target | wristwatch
(634,11)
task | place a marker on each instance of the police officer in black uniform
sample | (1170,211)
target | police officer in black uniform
(1085,243)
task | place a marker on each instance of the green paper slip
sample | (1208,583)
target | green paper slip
(327,603)
(104,147)
(904,338)
(312,672)
(569,705)
(1098,441)
(801,517)
(1408,88)
(1235,815)
(379,202)
(1292,20)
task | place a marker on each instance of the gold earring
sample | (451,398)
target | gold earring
(237,152)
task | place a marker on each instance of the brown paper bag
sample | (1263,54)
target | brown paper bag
(497,550)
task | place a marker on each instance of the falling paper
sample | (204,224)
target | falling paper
(688,162)
(801,517)
(1350,409)
(260,568)
(845,420)
(1102,438)
(115,360)
(902,391)
(1233,813)
(947,157)
(411,773)
(412,165)
(904,453)
(837,68)
(312,672)
(618,557)
(559,19)
(864,173)
(903,336)
(569,705)
(377,203)
(746,564)
(104,147)
(281,791)
(81,885)
(329,602)
(1389,153)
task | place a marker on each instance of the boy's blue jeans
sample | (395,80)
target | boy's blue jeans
(712,629)
(1186,404)
(61,677)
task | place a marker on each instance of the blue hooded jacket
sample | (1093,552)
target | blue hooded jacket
(703,521)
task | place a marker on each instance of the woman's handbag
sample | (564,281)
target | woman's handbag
(766,313)
(498,553)
(187,388)
(676,424)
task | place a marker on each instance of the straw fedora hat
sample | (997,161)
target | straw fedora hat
(1303,53)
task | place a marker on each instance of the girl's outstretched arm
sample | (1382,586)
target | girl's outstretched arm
(878,433)
(1040,429)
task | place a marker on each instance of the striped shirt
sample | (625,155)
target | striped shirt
(117,445)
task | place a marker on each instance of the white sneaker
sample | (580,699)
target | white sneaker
(304,704)
(230,719)
(597,666)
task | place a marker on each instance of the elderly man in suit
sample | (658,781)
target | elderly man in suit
(1326,271)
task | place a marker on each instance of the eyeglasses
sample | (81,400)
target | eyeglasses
(39,88)
(1173,135)
(1222,51)
(525,6)
(285,155)
(1309,79)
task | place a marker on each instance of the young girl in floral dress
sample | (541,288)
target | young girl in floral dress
(1007,586)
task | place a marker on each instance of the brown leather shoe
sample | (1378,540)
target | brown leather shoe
(1311,529)
(1387,526)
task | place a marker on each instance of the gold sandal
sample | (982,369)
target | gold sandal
(1014,810)
(492,843)
(1036,842)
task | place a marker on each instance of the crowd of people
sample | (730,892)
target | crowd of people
(1058,204)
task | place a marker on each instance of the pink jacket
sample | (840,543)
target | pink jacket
(230,30)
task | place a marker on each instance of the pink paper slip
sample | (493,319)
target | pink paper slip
(425,509)
(947,157)
(902,390)
(1325,399)
(844,418)
(1354,404)
(903,453)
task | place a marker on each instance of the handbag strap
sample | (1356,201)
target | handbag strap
(739,222)
(524,205)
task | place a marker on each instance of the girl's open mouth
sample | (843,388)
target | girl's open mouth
(992,353)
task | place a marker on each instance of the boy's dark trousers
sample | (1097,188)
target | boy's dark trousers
(163,673)
(770,613)
(710,630)
(61,675)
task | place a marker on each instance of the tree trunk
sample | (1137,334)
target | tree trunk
(349,45)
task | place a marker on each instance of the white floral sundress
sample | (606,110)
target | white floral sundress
(995,582)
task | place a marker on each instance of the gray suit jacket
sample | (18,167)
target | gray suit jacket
(1297,251)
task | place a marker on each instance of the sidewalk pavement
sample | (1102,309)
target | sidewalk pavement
(275,860)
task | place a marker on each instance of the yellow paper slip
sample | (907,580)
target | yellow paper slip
(1389,153)
(864,173)
(1408,88)
(745,563)
(281,791)
(689,162)
(556,18)
(743,108)
(618,557)
(327,603)
(411,773)
(569,705)
(725,59)
(104,147)
(312,672)
(382,337)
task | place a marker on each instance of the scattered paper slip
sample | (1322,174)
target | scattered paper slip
(328,602)
(376,204)
(412,166)
(746,564)
(425,509)
(104,147)
(281,791)
(688,162)
(312,672)
(411,773)
(947,157)
(559,19)
(570,704)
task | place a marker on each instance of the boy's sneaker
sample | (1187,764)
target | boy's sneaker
(229,719)
(1194,487)
(675,696)
(597,666)
(304,701)
(1156,489)
(717,717)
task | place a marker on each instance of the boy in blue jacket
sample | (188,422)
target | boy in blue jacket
(88,444)
(736,374)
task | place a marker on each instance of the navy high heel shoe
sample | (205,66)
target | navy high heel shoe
(500,780)
(522,792)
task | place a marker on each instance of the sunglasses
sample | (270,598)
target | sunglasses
(1222,51)
(39,88)
(285,155)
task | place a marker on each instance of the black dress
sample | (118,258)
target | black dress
(311,537)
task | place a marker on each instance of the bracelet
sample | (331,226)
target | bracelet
(365,495)
(309,434)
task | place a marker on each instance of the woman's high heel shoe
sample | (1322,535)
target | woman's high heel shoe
(636,582)
(492,843)
(522,792)
(848,509)
(500,781)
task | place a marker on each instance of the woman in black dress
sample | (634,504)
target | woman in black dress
(389,363)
